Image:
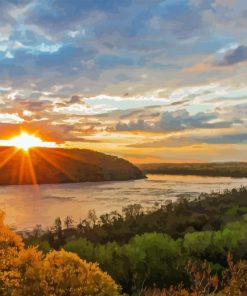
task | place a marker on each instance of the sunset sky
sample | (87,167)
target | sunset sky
(147,80)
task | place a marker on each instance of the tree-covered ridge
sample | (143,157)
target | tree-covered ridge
(59,165)
(146,250)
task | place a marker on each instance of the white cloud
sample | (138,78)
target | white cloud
(228,47)
(9,55)
(4,89)
(82,109)
(15,95)
(27,113)
(10,118)
(50,48)
(74,34)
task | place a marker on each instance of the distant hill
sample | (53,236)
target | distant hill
(58,165)
(220,169)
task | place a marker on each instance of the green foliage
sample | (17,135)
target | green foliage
(210,212)
(214,245)
(82,247)
(155,259)
(137,253)
(149,259)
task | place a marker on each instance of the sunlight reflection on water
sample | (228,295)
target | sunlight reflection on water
(28,205)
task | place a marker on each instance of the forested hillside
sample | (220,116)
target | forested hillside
(58,165)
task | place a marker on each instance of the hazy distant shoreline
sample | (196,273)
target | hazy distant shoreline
(216,169)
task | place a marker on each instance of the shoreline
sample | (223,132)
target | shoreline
(75,182)
(213,169)
(194,174)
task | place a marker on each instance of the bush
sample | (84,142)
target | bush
(66,274)
(27,271)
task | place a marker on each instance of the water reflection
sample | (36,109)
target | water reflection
(27,206)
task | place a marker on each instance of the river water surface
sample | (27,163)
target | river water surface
(26,205)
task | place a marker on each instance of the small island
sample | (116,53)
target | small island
(40,165)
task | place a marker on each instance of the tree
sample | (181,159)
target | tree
(56,237)
(58,225)
(232,282)
(92,217)
(10,245)
(132,211)
(37,231)
(68,222)
(154,259)
(236,276)
(67,274)
(27,271)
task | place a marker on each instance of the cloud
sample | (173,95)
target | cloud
(109,61)
(224,139)
(8,6)
(177,120)
(10,118)
(233,56)
(226,3)
(229,55)
(109,46)
(201,67)
(187,140)
(75,99)
(88,70)
(59,16)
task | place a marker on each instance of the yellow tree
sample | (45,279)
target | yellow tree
(67,274)
(10,246)
(27,271)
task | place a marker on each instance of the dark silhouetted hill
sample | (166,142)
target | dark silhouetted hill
(58,165)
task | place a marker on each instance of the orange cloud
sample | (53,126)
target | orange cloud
(150,159)
(202,67)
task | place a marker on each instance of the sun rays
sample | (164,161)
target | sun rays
(26,141)
(26,153)
(19,148)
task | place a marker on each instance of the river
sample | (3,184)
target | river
(27,205)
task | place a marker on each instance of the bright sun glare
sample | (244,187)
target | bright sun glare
(25,141)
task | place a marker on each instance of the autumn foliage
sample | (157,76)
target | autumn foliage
(27,271)
(232,281)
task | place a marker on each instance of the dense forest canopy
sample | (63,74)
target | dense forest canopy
(142,250)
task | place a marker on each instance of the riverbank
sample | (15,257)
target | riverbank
(29,205)
(217,169)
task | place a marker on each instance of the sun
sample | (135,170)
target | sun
(26,141)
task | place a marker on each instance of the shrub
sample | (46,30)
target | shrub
(27,271)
